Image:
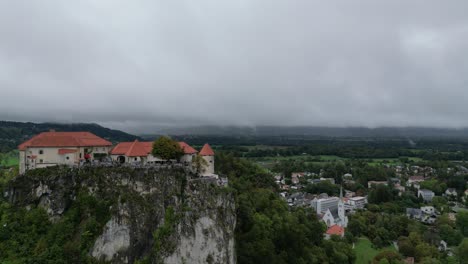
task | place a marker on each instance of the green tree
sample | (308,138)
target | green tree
(462,222)
(199,163)
(380,194)
(462,251)
(425,250)
(167,149)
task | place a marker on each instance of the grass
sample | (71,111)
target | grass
(365,252)
(10,159)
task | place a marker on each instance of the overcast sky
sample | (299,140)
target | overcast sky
(135,65)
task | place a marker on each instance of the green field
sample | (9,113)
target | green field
(365,252)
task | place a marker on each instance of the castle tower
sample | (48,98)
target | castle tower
(208,155)
(341,210)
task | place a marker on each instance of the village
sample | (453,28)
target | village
(334,210)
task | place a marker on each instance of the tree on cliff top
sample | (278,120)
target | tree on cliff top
(167,148)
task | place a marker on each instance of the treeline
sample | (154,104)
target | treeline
(427,150)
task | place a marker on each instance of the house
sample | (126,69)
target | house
(414,213)
(294,179)
(355,203)
(401,189)
(428,209)
(425,214)
(427,195)
(298,174)
(414,181)
(61,148)
(334,230)
(370,184)
(451,192)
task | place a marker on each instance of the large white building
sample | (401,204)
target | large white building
(60,148)
(321,205)
(355,203)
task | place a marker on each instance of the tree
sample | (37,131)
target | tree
(167,149)
(387,256)
(380,194)
(406,247)
(462,222)
(199,163)
(424,250)
(462,251)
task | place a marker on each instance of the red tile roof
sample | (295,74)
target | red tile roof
(66,151)
(417,178)
(335,230)
(65,139)
(187,148)
(207,150)
(133,149)
(142,149)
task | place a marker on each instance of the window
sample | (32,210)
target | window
(41,151)
(135,158)
(68,158)
(41,161)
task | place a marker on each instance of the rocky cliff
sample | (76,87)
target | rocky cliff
(164,215)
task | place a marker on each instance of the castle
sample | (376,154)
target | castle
(73,148)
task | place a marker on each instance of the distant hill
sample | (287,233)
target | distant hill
(319,132)
(14,133)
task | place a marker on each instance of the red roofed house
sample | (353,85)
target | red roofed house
(60,148)
(335,230)
(136,151)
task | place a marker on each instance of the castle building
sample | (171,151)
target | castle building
(208,155)
(140,152)
(61,148)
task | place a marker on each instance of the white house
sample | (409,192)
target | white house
(355,203)
(427,195)
(428,209)
(451,192)
(61,148)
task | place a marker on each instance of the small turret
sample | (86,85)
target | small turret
(208,155)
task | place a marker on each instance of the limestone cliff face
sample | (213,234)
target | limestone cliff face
(155,215)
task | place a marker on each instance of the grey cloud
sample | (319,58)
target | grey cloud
(143,64)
